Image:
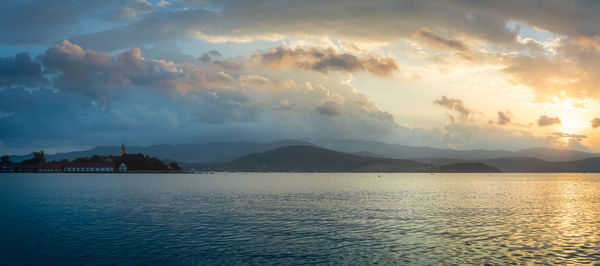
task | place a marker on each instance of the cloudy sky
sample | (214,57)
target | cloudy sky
(462,74)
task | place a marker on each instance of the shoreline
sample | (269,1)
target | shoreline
(276,172)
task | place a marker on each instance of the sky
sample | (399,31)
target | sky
(460,74)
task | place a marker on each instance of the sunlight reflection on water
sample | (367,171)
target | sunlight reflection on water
(299,218)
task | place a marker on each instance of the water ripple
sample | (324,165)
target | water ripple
(299,219)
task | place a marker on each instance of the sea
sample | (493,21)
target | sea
(299,218)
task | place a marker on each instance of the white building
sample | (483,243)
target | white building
(89,167)
(123,167)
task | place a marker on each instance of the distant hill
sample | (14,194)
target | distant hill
(468,168)
(525,165)
(304,158)
(368,154)
(528,165)
(206,152)
(413,152)
(584,165)
(554,155)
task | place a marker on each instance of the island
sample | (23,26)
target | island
(123,163)
(468,168)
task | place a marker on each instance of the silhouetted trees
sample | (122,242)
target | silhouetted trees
(139,162)
(175,167)
(38,157)
(5,159)
(134,162)
(94,158)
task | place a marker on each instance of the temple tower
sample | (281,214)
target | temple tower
(123,153)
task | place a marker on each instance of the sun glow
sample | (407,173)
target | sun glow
(573,124)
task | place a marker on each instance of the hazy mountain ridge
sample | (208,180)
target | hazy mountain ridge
(227,151)
(528,165)
(397,151)
(205,152)
(467,167)
(302,158)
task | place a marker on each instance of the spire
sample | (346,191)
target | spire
(123,149)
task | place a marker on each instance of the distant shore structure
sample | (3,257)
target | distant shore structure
(76,167)
(123,153)
(123,167)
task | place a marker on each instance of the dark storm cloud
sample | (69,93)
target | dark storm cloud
(329,109)
(440,42)
(20,70)
(324,60)
(205,58)
(454,105)
(208,56)
(504,117)
(548,121)
(215,53)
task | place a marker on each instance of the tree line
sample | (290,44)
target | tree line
(134,162)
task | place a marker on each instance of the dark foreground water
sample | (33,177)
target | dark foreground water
(145,219)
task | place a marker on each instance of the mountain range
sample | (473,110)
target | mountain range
(527,160)
(305,158)
(226,151)
(414,152)
(527,165)
(205,152)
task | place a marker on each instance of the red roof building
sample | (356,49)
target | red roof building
(50,167)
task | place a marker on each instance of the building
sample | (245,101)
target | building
(11,167)
(123,167)
(50,167)
(89,167)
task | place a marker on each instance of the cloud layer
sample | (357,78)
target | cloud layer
(382,21)
(454,104)
(548,121)
(325,60)
(19,70)
(300,69)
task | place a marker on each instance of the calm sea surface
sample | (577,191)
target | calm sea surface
(142,219)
